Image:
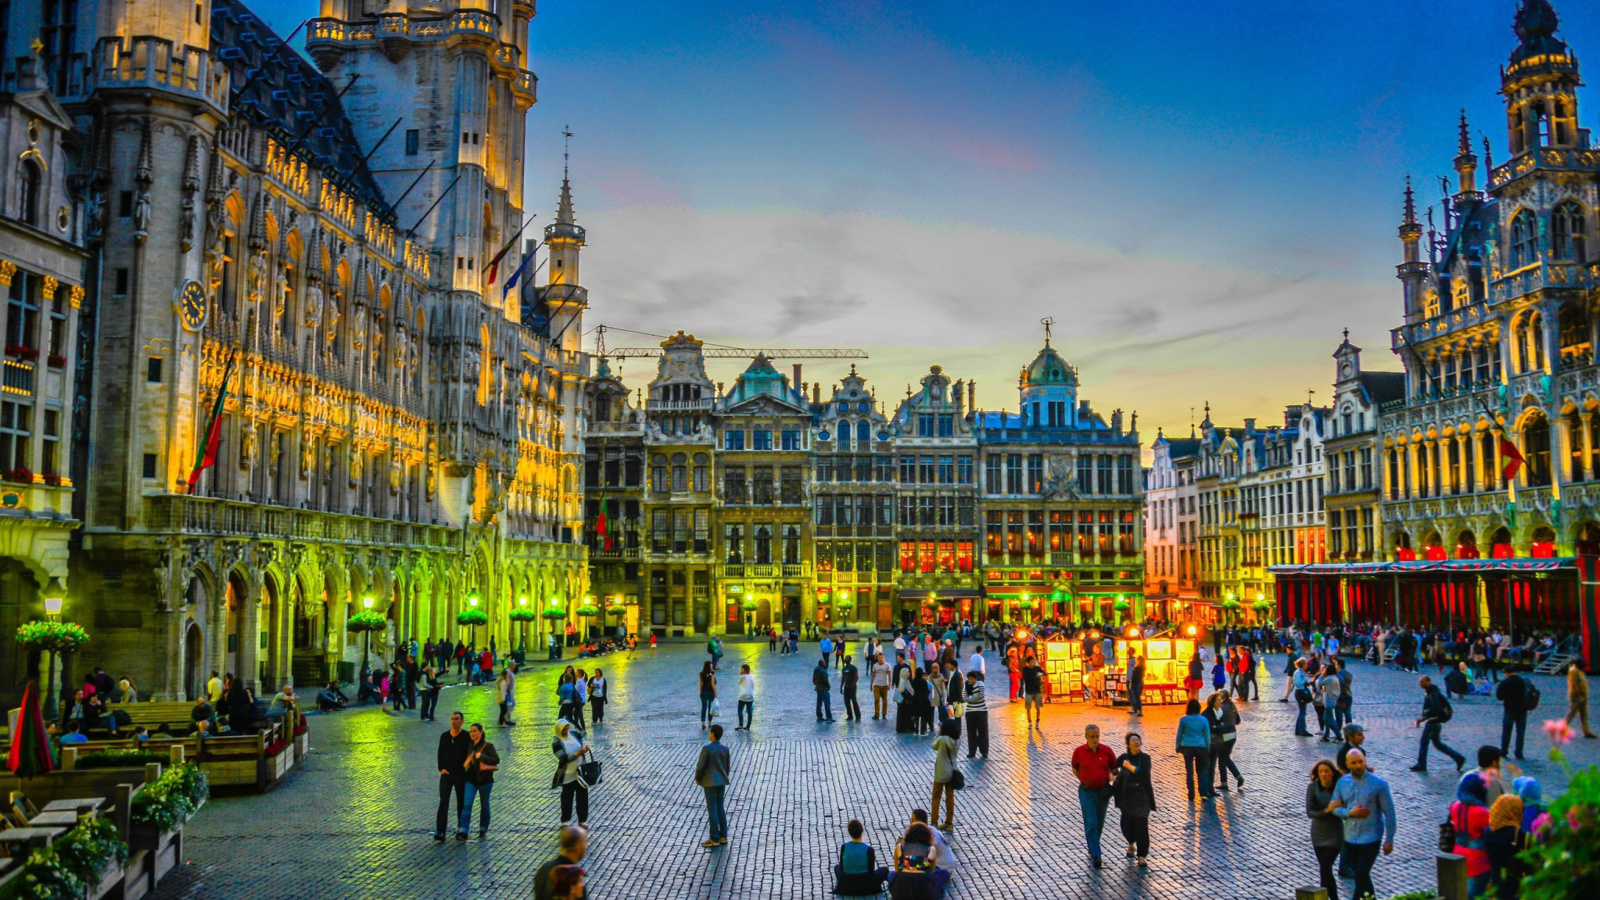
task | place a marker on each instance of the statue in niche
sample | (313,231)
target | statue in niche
(93,211)
(141,214)
(358,327)
(356,464)
(256,278)
(247,445)
(186,219)
(274,452)
(377,352)
(308,456)
(313,307)
(282,295)
(396,467)
(331,329)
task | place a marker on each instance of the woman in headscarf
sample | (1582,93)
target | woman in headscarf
(1527,787)
(569,750)
(1503,842)
(922,702)
(1469,815)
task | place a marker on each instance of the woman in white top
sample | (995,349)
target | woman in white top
(747,698)
(569,750)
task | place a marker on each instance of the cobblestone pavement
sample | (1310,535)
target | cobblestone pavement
(354,822)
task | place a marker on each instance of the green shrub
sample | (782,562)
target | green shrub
(166,801)
(1565,861)
(119,759)
(68,868)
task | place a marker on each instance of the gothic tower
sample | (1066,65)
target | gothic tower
(450,82)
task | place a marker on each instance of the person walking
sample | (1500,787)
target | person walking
(1469,818)
(580,699)
(454,745)
(1135,684)
(1513,694)
(944,774)
(711,772)
(1436,711)
(1327,831)
(1364,802)
(826,646)
(849,676)
(1302,696)
(430,694)
(880,678)
(1223,717)
(1136,797)
(904,704)
(1346,698)
(569,749)
(504,688)
(708,694)
(1577,697)
(747,698)
(1291,662)
(839,655)
(1331,690)
(1093,763)
(977,714)
(819,683)
(479,769)
(1032,690)
(598,695)
(1194,745)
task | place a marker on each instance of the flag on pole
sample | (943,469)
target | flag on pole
(517,275)
(602,527)
(206,455)
(494,264)
(1513,458)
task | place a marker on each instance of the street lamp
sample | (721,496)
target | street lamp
(366,650)
(472,630)
(52,611)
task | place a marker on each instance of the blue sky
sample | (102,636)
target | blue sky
(1201,195)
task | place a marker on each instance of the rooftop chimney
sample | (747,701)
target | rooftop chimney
(797,377)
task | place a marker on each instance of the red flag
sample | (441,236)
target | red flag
(601,527)
(1513,458)
(206,457)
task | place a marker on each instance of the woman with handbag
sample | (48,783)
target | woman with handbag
(904,706)
(1135,795)
(569,749)
(482,761)
(1302,696)
(945,776)
(708,695)
(1327,829)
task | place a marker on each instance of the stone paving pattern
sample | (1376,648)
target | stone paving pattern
(354,822)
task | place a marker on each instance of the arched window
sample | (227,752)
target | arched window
(863,433)
(1568,232)
(1536,450)
(1524,240)
(844,436)
(32,189)
(763,546)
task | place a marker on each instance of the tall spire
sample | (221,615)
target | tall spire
(564,208)
(1466,164)
(1410,220)
(1465,141)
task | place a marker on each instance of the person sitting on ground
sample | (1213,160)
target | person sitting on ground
(74,733)
(857,874)
(947,856)
(917,875)
(1457,683)
(141,734)
(330,698)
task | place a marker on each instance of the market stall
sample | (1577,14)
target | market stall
(1166,663)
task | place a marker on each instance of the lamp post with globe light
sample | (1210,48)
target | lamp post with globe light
(366,649)
(52,613)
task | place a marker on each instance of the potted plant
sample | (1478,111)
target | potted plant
(365,622)
(53,638)
(73,866)
(163,805)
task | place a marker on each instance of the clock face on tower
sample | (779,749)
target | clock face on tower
(192,305)
(1346,370)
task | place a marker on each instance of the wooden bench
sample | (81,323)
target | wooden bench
(175,713)
(248,763)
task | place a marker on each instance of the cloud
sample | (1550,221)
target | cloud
(1148,333)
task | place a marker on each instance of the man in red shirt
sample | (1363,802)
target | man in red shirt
(1093,763)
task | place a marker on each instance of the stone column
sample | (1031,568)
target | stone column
(1498,476)
(250,634)
(1587,443)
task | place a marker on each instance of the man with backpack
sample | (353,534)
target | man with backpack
(1436,710)
(1520,697)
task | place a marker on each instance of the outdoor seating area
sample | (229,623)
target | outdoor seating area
(117,843)
(235,764)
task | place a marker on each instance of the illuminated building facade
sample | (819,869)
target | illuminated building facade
(854,496)
(305,248)
(1171,539)
(1061,493)
(936,453)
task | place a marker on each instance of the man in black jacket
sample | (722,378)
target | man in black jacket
(819,681)
(453,748)
(572,845)
(1513,693)
(1434,704)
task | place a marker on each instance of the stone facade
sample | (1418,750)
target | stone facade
(1171,538)
(395,424)
(1500,335)
(738,509)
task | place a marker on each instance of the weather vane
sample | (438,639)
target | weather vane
(1047,321)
